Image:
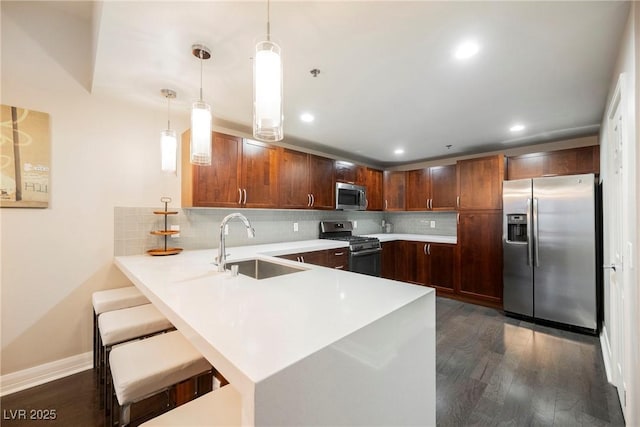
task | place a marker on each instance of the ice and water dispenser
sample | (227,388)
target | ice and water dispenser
(517,228)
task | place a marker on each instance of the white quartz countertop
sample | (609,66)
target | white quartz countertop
(256,328)
(427,238)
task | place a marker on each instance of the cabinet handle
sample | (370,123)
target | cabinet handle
(339,267)
(424,249)
(458,202)
(366,204)
(458,219)
(298,259)
(302,259)
(313,200)
(429,249)
(431,204)
(239,196)
(308,200)
(244,191)
(386,204)
(339,253)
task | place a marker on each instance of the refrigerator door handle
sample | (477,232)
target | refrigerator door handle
(536,254)
(529,242)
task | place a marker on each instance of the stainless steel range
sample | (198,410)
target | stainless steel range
(364,252)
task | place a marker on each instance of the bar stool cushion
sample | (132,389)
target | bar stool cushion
(145,367)
(128,323)
(115,299)
(221,407)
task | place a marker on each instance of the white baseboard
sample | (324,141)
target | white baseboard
(606,353)
(27,378)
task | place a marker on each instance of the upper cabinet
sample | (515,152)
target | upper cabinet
(243,173)
(562,162)
(349,172)
(373,181)
(394,190)
(431,189)
(480,183)
(306,180)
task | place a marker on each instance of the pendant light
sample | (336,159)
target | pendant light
(267,89)
(168,138)
(201,118)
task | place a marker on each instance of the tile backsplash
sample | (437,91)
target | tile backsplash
(199,227)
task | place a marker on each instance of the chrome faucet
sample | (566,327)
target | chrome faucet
(221,259)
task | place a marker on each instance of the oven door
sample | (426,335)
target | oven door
(366,262)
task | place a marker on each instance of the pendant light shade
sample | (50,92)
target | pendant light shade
(169,139)
(201,118)
(267,92)
(267,89)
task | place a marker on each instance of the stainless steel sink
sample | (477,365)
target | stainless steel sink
(261,269)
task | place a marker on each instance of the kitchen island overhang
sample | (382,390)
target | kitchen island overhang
(316,347)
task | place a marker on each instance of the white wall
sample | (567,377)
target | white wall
(626,65)
(104,153)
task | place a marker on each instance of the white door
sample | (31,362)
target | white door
(615,264)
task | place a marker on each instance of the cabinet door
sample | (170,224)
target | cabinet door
(218,184)
(443,187)
(525,166)
(480,183)
(389,260)
(294,179)
(442,261)
(374,189)
(292,257)
(394,190)
(338,258)
(423,264)
(315,257)
(346,172)
(480,255)
(260,174)
(405,261)
(418,190)
(571,162)
(321,182)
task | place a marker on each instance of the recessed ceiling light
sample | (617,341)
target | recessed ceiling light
(307,117)
(398,151)
(517,128)
(466,49)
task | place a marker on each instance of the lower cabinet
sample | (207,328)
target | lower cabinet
(332,258)
(388,261)
(435,265)
(480,256)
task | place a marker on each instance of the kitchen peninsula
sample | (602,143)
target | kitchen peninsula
(315,347)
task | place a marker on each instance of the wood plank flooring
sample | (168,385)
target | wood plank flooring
(491,370)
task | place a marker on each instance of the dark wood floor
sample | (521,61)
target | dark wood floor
(491,370)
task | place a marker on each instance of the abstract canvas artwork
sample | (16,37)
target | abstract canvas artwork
(24,158)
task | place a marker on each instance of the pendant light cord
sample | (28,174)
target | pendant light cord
(268,21)
(200,55)
(168,115)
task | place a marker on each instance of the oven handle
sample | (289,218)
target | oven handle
(367,252)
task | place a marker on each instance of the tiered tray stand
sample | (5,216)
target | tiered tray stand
(164,233)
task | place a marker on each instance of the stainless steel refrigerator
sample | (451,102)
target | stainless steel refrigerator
(549,241)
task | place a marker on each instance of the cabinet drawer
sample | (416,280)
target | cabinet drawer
(338,258)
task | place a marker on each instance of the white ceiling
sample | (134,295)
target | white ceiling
(388,77)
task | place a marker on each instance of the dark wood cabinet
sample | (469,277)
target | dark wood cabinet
(373,181)
(405,261)
(435,266)
(242,173)
(562,162)
(306,181)
(349,172)
(431,188)
(388,260)
(394,190)
(480,256)
(332,258)
(480,183)
(418,190)
(259,175)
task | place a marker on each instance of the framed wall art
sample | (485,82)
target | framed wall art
(25,152)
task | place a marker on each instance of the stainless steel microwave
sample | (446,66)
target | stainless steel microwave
(351,197)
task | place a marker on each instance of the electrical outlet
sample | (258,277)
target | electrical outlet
(432,224)
(226,229)
(175,227)
(355,224)
(295,226)
(383,222)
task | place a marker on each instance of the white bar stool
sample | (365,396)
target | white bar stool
(108,300)
(143,368)
(219,408)
(123,325)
